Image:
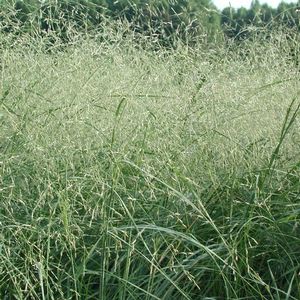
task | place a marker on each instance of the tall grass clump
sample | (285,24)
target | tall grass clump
(129,173)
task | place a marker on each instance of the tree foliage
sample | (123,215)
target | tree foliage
(238,22)
(168,20)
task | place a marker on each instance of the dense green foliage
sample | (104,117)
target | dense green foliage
(130,174)
(164,19)
(236,23)
(131,170)
(169,21)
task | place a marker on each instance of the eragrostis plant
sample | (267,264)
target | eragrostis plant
(128,173)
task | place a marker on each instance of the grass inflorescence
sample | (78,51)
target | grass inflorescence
(129,173)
